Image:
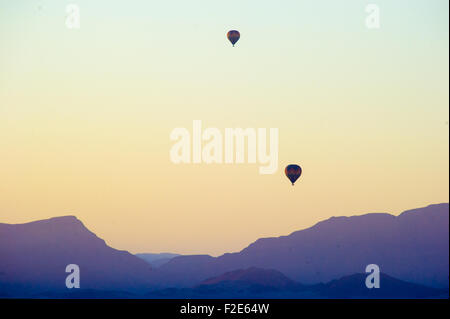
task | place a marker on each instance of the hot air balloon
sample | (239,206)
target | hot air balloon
(233,36)
(293,172)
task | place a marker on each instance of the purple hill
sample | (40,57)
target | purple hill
(265,283)
(33,257)
(255,276)
(353,287)
(413,247)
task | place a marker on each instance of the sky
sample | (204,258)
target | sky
(86,115)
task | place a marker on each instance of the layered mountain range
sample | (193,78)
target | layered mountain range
(327,260)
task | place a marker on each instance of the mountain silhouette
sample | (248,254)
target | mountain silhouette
(34,256)
(156,260)
(353,286)
(241,283)
(254,276)
(413,247)
(263,283)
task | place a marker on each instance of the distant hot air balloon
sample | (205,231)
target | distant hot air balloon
(293,172)
(233,36)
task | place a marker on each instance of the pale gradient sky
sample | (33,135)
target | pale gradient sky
(85,115)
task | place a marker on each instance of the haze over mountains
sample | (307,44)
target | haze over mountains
(412,249)
(156,260)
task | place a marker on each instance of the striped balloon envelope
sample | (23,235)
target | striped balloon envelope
(233,36)
(293,172)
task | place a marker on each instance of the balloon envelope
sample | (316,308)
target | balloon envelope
(293,172)
(233,36)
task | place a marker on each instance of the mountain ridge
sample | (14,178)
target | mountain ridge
(399,244)
(243,283)
(34,255)
(411,247)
